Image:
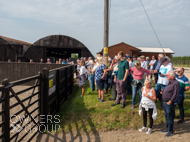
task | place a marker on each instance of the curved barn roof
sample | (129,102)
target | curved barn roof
(59,41)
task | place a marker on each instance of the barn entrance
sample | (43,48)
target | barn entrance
(63,53)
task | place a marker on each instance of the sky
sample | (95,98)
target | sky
(30,20)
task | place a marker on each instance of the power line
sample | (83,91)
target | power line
(152,27)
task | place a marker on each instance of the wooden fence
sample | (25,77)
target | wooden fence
(15,71)
(43,98)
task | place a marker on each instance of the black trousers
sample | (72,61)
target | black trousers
(150,112)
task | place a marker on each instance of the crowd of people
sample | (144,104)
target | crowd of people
(128,75)
(60,61)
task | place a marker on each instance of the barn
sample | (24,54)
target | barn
(137,51)
(12,49)
(55,47)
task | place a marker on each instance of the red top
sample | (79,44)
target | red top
(138,74)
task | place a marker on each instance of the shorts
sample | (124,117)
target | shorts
(100,84)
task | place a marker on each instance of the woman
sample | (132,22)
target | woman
(82,77)
(90,74)
(138,74)
(148,105)
(100,72)
(113,68)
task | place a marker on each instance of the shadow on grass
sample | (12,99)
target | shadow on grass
(78,123)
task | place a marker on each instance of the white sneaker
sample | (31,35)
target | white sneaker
(81,96)
(143,129)
(149,131)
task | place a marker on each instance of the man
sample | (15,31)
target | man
(143,62)
(170,95)
(184,86)
(156,67)
(151,64)
(134,60)
(165,68)
(41,61)
(129,77)
(48,61)
(120,79)
(147,60)
(60,60)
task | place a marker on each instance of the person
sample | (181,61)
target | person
(156,67)
(78,66)
(134,60)
(162,78)
(129,77)
(41,60)
(9,60)
(120,79)
(148,105)
(184,86)
(143,62)
(64,61)
(170,96)
(90,74)
(151,64)
(113,68)
(60,60)
(48,61)
(19,61)
(82,77)
(138,80)
(31,61)
(147,60)
(100,72)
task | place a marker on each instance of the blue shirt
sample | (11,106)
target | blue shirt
(158,66)
(152,61)
(134,63)
(183,82)
(100,71)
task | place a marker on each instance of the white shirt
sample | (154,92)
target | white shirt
(144,65)
(82,70)
(164,70)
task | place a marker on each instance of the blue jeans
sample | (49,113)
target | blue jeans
(106,83)
(134,93)
(180,106)
(158,89)
(91,80)
(169,115)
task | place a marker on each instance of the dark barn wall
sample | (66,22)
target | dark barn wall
(59,43)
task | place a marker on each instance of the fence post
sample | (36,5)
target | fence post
(57,90)
(5,94)
(45,94)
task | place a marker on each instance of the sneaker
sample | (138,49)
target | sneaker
(169,134)
(165,131)
(101,100)
(115,104)
(81,96)
(133,106)
(149,131)
(98,98)
(180,121)
(123,106)
(143,129)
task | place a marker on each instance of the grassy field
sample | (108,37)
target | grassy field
(89,115)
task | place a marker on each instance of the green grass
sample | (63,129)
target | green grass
(89,115)
(180,65)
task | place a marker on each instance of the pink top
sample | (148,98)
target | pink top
(138,74)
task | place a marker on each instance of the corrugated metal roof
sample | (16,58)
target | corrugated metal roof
(14,41)
(155,50)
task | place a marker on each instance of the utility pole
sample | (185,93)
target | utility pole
(106,30)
